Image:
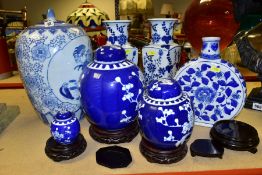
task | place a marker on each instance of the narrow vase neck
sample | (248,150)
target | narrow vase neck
(210,48)
(162,30)
(117,32)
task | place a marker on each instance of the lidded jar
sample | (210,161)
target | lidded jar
(110,88)
(65,128)
(50,58)
(166,116)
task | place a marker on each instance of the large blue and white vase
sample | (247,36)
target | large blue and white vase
(65,128)
(110,88)
(166,117)
(161,56)
(50,58)
(217,89)
(117,34)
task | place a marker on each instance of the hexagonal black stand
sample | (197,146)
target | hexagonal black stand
(113,157)
(112,137)
(58,152)
(156,155)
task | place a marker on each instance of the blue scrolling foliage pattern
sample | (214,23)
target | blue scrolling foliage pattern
(211,91)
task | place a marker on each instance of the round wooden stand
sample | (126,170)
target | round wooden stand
(112,137)
(156,155)
(58,152)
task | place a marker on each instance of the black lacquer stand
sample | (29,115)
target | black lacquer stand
(254,99)
(58,152)
(113,137)
(156,155)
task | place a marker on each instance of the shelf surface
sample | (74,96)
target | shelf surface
(22,146)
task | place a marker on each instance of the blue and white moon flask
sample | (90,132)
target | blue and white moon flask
(65,128)
(166,116)
(110,88)
(216,88)
(50,58)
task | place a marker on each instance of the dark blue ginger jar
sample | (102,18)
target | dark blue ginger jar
(110,88)
(65,128)
(166,120)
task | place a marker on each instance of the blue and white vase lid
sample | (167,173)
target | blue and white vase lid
(216,88)
(110,53)
(117,21)
(164,89)
(63,116)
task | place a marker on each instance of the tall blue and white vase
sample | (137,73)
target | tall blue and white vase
(50,58)
(117,34)
(110,89)
(166,120)
(217,89)
(161,56)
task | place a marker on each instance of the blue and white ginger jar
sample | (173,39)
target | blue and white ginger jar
(117,34)
(65,128)
(217,89)
(166,116)
(50,58)
(161,56)
(110,88)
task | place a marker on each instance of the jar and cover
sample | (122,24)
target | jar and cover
(166,116)
(110,88)
(50,58)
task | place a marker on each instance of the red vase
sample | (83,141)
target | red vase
(205,18)
(5,65)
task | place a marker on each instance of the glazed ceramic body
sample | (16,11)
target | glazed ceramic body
(117,34)
(65,128)
(50,58)
(162,54)
(215,86)
(110,88)
(165,114)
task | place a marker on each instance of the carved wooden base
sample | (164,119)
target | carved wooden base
(113,137)
(156,155)
(58,152)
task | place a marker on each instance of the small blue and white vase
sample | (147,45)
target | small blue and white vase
(50,58)
(166,116)
(117,34)
(65,128)
(110,89)
(217,89)
(161,56)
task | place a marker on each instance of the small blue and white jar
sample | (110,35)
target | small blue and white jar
(65,128)
(166,116)
(110,88)
(50,58)
(161,56)
(117,34)
(217,88)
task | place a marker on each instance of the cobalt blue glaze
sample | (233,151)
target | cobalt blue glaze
(110,89)
(165,114)
(65,128)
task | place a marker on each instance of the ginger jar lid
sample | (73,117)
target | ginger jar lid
(51,22)
(164,89)
(110,53)
(63,116)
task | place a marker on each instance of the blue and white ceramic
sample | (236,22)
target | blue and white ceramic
(215,86)
(110,88)
(50,59)
(166,116)
(117,34)
(65,128)
(161,56)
